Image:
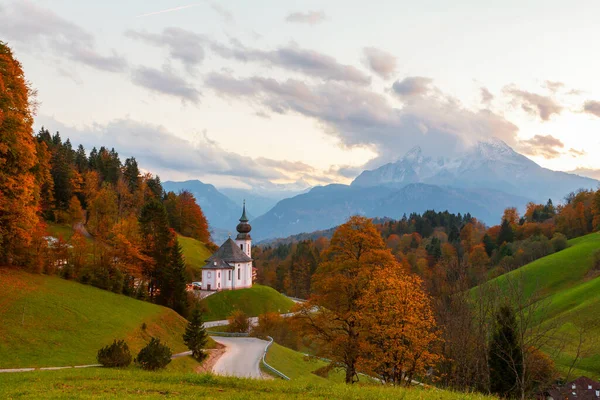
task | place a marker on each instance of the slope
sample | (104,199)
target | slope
(570,286)
(195,252)
(253,301)
(48,321)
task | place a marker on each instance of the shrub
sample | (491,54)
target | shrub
(154,356)
(559,242)
(238,322)
(115,355)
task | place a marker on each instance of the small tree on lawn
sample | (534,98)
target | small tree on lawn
(238,322)
(115,355)
(195,336)
(154,356)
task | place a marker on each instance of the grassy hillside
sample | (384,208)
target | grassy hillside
(48,321)
(565,280)
(195,252)
(297,366)
(136,384)
(254,301)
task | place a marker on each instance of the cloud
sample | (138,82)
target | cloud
(222,11)
(38,28)
(159,150)
(412,86)
(380,62)
(545,146)
(592,107)
(577,153)
(363,118)
(309,17)
(294,58)
(165,81)
(183,45)
(554,86)
(168,10)
(486,96)
(587,172)
(535,104)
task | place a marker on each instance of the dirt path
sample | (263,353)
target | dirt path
(211,360)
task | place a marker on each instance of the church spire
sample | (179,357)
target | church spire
(243,227)
(244,218)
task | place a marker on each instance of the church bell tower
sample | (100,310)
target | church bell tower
(243,239)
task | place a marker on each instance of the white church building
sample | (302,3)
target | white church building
(230,267)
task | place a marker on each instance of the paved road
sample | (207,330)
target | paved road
(242,358)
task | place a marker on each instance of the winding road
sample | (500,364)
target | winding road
(242,358)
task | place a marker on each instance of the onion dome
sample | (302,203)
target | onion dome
(243,227)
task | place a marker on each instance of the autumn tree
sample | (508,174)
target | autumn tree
(339,285)
(18,191)
(400,331)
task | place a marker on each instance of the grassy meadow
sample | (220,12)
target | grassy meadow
(48,321)
(134,383)
(253,301)
(566,282)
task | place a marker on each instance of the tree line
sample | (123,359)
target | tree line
(125,225)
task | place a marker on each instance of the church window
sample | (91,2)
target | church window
(229,275)
(241,246)
(239,272)
(208,274)
(219,275)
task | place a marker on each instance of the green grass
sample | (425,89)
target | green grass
(48,321)
(194,251)
(573,297)
(297,366)
(253,301)
(133,383)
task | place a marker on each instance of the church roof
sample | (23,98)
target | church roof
(217,263)
(229,252)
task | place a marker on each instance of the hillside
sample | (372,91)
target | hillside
(195,252)
(253,301)
(136,384)
(567,282)
(48,321)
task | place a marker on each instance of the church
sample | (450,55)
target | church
(230,267)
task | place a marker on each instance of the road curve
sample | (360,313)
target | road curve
(242,358)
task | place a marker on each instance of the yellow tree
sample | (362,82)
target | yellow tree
(18,191)
(401,336)
(341,280)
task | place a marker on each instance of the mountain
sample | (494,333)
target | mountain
(261,197)
(490,164)
(221,212)
(328,206)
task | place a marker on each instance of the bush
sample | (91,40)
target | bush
(154,356)
(559,242)
(238,322)
(115,355)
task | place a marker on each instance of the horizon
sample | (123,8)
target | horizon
(160,81)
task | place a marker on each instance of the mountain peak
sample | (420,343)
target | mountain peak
(414,154)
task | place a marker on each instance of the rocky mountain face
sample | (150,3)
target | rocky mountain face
(489,164)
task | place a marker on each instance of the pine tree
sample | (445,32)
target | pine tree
(131,172)
(195,336)
(173,282)
(506,235)
(156,235)
(489,244)
(505,355)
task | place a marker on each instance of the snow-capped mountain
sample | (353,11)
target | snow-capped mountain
(490,164)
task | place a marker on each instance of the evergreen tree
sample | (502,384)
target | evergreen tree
(155,187)
(154,227)
(506,235)
(195,336)
(81,160)
(131,173)
(172,280)
(505,357)
(489,244)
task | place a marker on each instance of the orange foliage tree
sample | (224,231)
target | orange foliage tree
(343,287)
(18,191)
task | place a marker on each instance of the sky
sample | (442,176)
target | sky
(255,94)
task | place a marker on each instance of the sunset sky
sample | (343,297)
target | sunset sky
(238,93)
